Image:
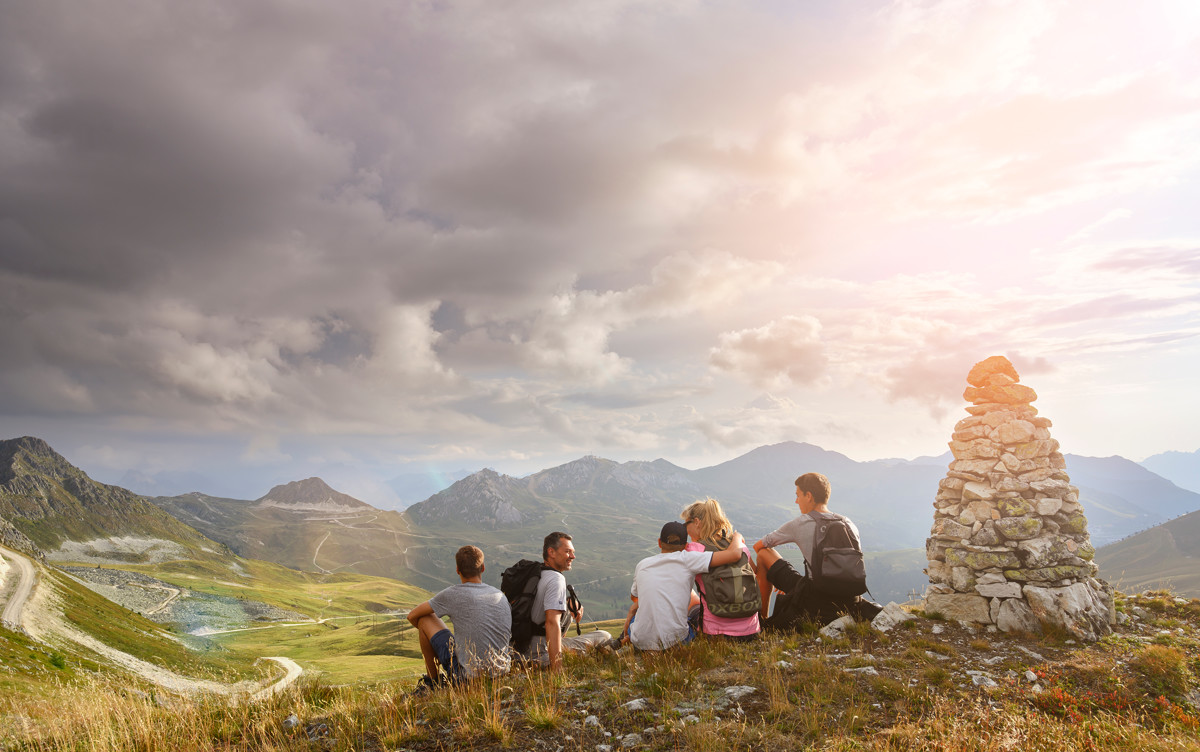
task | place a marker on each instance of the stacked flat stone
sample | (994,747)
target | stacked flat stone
(1009,547)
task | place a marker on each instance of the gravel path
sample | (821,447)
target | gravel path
(26,577)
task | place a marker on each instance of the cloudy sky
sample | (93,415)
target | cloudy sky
(260,240)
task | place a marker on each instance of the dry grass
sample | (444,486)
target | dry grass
(905,690)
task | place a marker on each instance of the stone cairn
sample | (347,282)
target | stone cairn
(1009,547)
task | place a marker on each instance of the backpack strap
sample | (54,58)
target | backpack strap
(711,546)
(531,586)
(819,525)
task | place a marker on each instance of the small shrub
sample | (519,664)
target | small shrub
(936,676)
(886,688)
(933,646)
(1162,670)
(1159,601)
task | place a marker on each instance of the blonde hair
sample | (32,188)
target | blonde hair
(715,528)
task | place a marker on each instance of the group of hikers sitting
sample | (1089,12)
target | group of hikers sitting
(732,599)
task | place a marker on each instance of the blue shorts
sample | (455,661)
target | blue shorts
(443,648)
(693,615)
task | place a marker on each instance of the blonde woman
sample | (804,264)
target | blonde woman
(709,529)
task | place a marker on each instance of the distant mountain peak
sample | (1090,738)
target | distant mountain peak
(310,495)
(484,499)
(31,454)
(51,502)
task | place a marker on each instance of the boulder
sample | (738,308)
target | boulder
(1085,609)
(982,371)
(1019,528)
(950,530)
(977,560)
(1015,615)
(959,607)
(1014,432)
(986,536)
(892,615)
(1010,394)
(999,590)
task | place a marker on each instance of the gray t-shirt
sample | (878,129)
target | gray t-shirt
(800,531)
(551,595)
(482,625)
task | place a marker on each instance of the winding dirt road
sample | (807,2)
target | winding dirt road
(38,613)
(26,577)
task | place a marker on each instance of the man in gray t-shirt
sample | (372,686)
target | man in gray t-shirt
(798,601)
(482,625)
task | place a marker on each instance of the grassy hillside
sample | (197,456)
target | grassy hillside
(315,595)
(365,540)
(926,685)
(1164,556)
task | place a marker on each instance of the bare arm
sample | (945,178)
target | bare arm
(554,638)
(415,615)
(731,554)
(629,618)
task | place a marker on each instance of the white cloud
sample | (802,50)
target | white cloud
(569,336)
(404,348)
(783,353)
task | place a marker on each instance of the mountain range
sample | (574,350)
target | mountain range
(613,509)
(1165,556)
(1181,468)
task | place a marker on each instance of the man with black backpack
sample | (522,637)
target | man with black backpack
(542,612)
(835,577)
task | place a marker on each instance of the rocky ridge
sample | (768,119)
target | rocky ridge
(13,538)
(1009,546)
(50,501)
(483,499)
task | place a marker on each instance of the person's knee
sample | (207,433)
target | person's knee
(767,557)
(429,625)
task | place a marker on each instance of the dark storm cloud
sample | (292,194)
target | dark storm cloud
(237,211)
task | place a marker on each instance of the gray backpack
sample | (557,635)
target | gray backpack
(730,590)
(837,569)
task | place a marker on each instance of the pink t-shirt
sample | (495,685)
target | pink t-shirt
(719,625)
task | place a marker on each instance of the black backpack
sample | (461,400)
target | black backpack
(519,583)
(730,590)
(837,570)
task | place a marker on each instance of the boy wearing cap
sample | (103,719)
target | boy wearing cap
(662,588)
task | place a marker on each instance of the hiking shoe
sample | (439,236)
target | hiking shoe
(426,685)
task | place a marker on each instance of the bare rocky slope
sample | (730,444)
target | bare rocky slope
(51,502)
